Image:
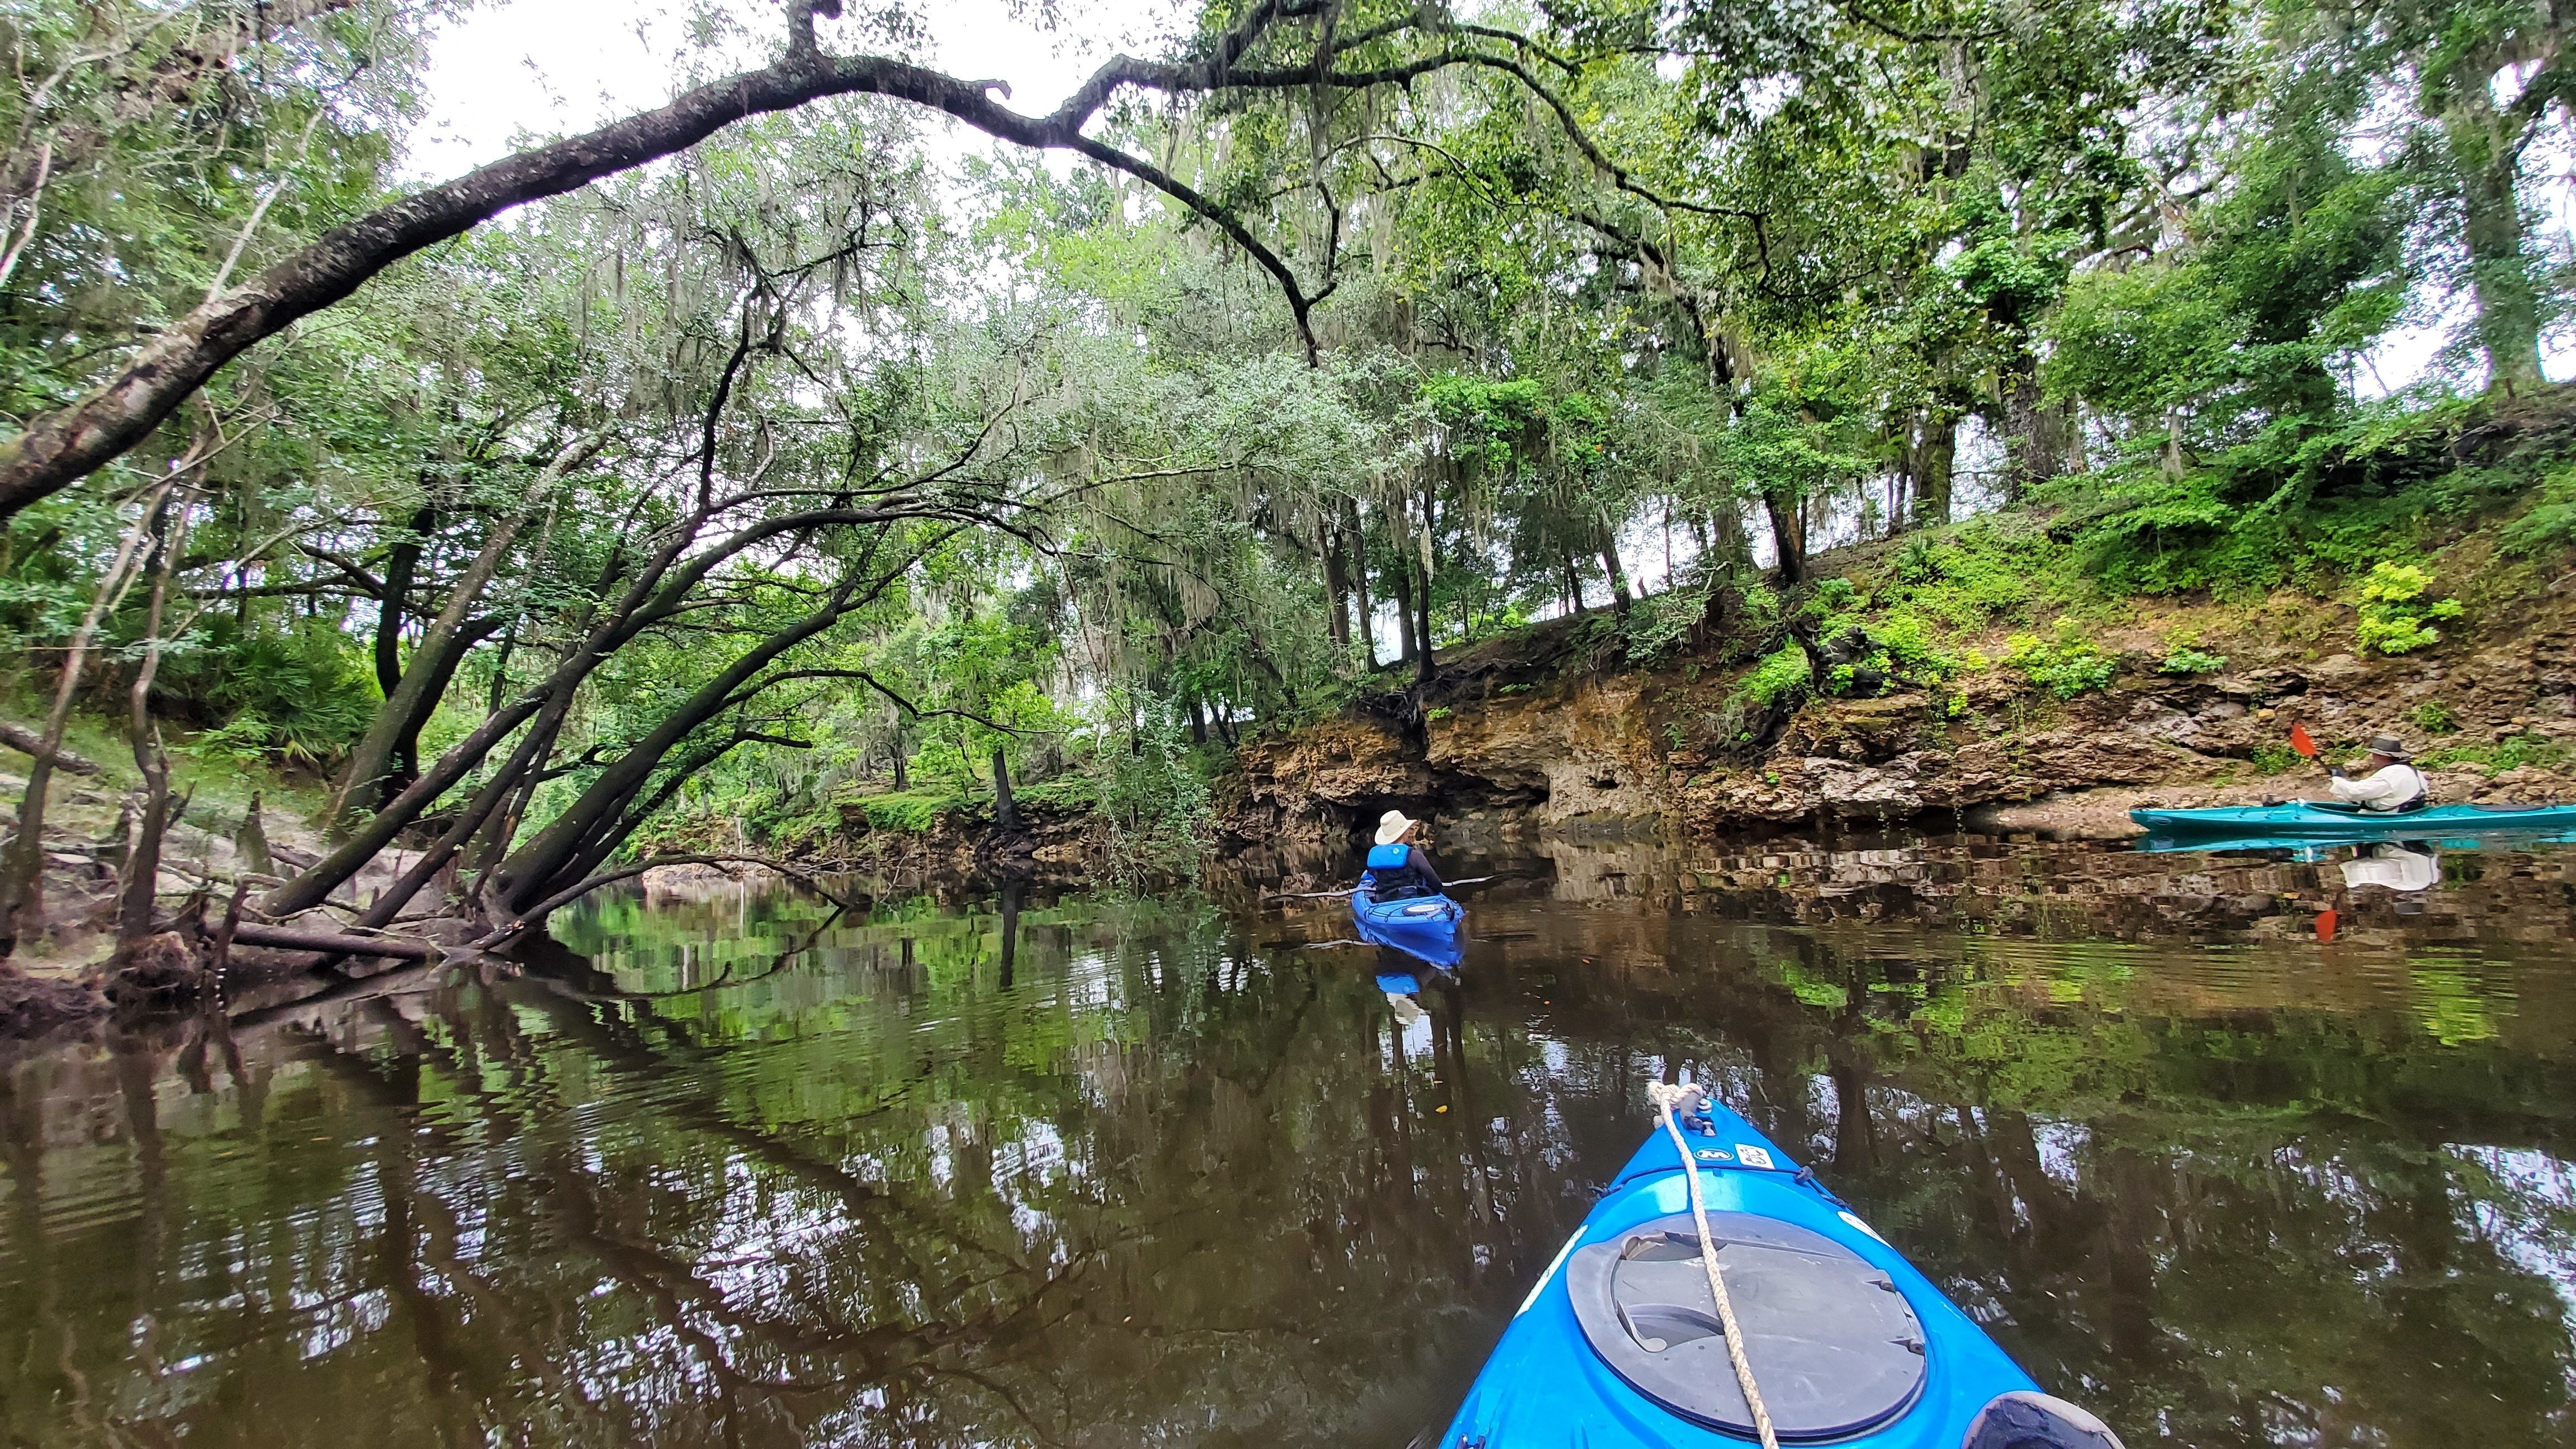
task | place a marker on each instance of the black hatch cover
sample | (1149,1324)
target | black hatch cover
(1836,1350)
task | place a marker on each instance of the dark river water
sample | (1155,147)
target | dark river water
(740,1172)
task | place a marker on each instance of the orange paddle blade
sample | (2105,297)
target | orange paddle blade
(2325,925)
(2300,742)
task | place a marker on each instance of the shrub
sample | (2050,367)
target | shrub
(2188,660)
(2435,718)
(913,812)
(1782,678)
(2274,758)
(1660,624)
(2552,520)
(2067,665)
(2509,753)
(1160,814)
(2396,618)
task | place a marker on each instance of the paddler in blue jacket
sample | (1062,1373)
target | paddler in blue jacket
(1397,867)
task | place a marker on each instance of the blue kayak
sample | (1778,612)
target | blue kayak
(1620,1344)
(1423,927)
(2300,821)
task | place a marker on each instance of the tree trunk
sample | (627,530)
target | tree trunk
(401,563)
(314,886)
(1407,649)
(540,867)
(517,776)
(1360,586)
(1423,667)
(902,766)
(1788,533)
(387,759)
(143,863)
(404,767)
(1006,811)
(1618,575)
(2488,161)
(22,874)
(1337,588)
(2038,435)
(1931,456)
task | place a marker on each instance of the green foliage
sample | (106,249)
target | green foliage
(2274,758)
(1658,627)
(2065,663)
(2396,618)
(1160,813)
(2190,660)
(913,812)
(2551,521)
(2510,753)
(2435,718)
(1781,680)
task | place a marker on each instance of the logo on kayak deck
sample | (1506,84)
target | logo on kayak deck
(1714,1154)
(1751,1156)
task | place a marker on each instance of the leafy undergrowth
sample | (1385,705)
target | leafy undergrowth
(216,784)
(2510,753)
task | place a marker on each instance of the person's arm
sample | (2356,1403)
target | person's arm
(1422,866)
(2382,788)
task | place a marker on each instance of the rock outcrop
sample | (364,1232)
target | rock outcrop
(1992,752)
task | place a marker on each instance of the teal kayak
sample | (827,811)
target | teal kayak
(2305,821)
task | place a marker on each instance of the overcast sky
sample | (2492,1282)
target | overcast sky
(564,66)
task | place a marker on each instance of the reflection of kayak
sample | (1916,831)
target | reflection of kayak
(1425,927)
(2303,821)
(1621,1343)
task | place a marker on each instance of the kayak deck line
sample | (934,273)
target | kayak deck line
(1666,1099)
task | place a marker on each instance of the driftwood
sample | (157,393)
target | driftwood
(27,742)
(286,938)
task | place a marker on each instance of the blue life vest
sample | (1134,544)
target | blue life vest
(1388,857)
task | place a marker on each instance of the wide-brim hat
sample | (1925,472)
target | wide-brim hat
(1391,827)
(2391,746)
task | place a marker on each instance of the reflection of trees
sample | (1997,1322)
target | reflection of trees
(765,1176)
(2257,1227)
(1148,1192)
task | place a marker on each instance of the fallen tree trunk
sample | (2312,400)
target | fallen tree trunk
(287,938)
(27,742)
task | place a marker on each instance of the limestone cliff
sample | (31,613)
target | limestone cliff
(1509,745)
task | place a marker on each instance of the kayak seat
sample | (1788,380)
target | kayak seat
(2025,1420)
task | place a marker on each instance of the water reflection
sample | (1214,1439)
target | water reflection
(2406,869)
(752,1172)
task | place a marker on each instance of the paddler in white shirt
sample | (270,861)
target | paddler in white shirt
(2384,782)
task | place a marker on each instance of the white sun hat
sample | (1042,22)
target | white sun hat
(1391,827)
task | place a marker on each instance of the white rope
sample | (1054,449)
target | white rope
(1665,1096)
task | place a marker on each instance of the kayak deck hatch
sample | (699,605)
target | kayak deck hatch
(1838,1346)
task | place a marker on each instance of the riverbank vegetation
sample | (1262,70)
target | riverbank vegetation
(738,476)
